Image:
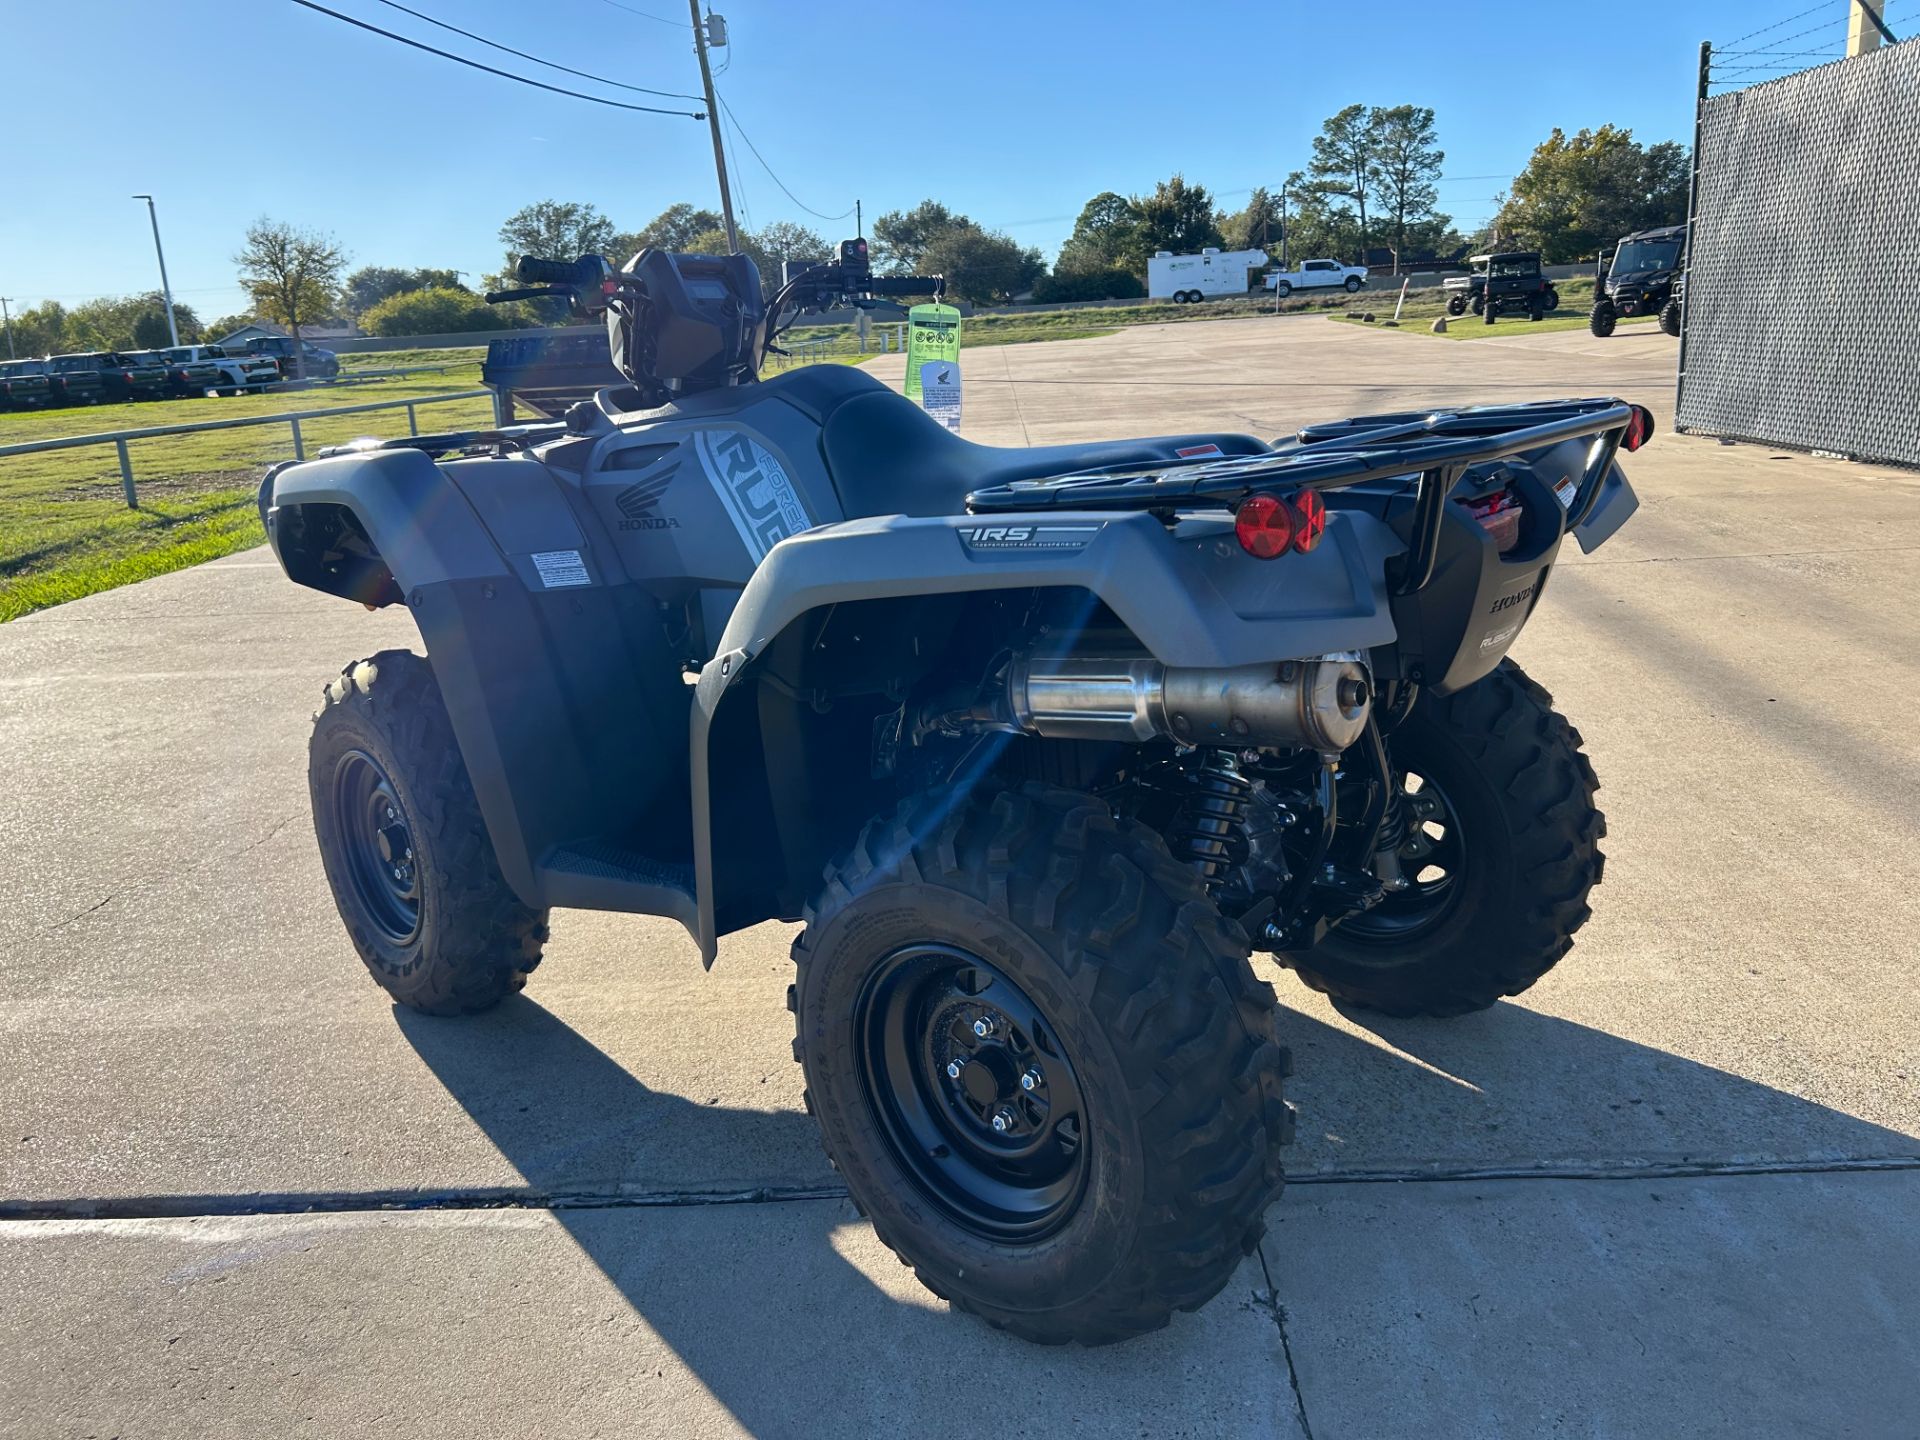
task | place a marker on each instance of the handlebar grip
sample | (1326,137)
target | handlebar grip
(905,284)
(532,270)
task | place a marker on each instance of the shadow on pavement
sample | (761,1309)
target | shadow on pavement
(769,1305)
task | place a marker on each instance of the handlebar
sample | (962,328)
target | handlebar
(532,270)
(904,284)
(500,297)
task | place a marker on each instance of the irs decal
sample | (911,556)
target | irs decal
(1027,537)
(756,491)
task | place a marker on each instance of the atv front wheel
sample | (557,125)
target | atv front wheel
(405,849)
(1501,850)
(1670,317)
(1040,1061)
(1456,305)
(1602,320)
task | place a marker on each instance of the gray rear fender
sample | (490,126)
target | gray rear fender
(1189,598)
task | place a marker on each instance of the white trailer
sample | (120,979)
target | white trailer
(1186,278)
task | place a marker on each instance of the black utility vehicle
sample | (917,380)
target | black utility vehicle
(1514,273)
(321,364)
(25,385)
(1640,276)
(78,379)
(1036,746)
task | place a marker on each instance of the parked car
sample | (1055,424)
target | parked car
(25,385)
(1466,292)
(135,375)
(321,364)
(77,379)
(1318,275)
(238,373)
(185,376)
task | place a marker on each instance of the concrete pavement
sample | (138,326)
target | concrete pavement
(184,1032)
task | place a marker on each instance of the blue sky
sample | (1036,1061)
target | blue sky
(1014,113)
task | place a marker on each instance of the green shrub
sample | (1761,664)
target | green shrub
(1088,285)
(438,311)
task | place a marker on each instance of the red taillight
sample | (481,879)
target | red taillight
(1499,515)
(1264,526)
(1639,428)
(1309,520)
(126,374)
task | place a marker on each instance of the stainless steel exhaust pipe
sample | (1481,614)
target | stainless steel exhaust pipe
(1318,704)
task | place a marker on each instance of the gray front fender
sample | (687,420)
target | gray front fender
(1192,597)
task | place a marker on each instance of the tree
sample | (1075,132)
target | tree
(786,240)
(901,237)
(1344,158)
(1103,237)
(370,284)
(1258,226)
(1579,194)
(981,266)
(674,228)
(1404,169)
(119,322)
(292,275)
(1178,217)
(556,230)
(226,325)
(438,310)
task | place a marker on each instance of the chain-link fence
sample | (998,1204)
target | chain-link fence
(1803,286)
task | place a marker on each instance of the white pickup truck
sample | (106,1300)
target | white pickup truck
(236,373)
(1318,275)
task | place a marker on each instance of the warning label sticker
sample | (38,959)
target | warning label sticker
(560,568)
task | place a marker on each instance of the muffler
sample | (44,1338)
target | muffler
(1320,704)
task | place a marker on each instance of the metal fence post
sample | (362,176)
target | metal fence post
(299,448)
(413,419)
(126,474)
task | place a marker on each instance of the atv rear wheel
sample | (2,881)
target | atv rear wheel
(1041,1062)
(1603,318)
(1670,317)
(405,849)
(1502,849)
(1456,305)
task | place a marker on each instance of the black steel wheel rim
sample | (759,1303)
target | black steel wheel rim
(1433,859)
(973,1092)
(376,843)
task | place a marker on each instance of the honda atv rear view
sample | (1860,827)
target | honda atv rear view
(1037,745)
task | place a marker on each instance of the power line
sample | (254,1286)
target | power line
(550,64)
(741,131)
(648,15)
(503,74)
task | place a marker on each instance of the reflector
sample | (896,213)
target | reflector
(1264,526)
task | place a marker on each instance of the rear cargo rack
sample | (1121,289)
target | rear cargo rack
(1437,446)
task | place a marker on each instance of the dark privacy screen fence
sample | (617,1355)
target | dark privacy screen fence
(1803,290)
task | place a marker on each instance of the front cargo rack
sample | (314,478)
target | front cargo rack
(1436,446)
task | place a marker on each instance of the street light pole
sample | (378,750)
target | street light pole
(166,290)
(713,119)
(8,316)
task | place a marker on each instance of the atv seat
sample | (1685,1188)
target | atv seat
(887,456)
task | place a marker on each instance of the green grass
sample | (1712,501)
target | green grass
(65,530)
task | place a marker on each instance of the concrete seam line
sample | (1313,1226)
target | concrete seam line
(177,1207)
(1278,1314)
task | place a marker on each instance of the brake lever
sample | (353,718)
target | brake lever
(500,297)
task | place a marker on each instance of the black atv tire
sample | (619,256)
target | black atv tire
(1670,317)
(388,784)
(1536,309)
(1602,320)
(1165,1043)
(1510,773)
(1456,305)
(1552,298)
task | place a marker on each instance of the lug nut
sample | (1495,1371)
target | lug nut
(1002,1121)
(983,1027)
(954,1067)
(1030,1079)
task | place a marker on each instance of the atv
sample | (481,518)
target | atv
(1517,281)
(1642,275)
(1036,745)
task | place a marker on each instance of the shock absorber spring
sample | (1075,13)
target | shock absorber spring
(1207,829)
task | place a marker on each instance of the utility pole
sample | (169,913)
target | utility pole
(8,316)
(1283,229)
(713,119)
(859,228)
(1865,27)
(166,290)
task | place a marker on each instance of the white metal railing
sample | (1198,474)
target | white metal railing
(119,438)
